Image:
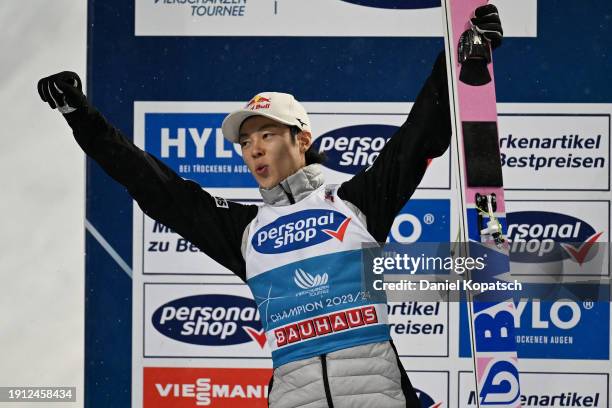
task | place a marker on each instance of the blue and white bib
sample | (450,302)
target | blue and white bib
(305,271)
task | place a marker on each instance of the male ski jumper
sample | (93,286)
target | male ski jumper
(300,251)
(355,367)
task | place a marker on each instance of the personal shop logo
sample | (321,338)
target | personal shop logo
(535,235)
(300,230)
(349,149)
(210,320)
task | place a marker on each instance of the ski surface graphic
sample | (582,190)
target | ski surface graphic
(482,219)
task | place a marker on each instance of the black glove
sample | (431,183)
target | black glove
(486,21)
(62,91)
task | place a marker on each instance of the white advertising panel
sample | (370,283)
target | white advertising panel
(554,390)
(431,388)
(353,134)
(420,328)
(555,147)
(313,18)
(164,252)
(559,238)
(186,136)
(215,321)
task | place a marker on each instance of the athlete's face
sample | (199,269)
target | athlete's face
(270,152)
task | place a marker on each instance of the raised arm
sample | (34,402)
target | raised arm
(179,204)
(382,190)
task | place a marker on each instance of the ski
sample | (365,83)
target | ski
(479,186)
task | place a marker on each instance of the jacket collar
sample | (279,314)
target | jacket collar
(295,187)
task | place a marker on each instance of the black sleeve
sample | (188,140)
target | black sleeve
(381,191)
(182,205)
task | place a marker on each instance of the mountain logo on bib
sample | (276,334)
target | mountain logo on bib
(300,230)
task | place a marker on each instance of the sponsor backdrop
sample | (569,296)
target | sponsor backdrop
(166,325)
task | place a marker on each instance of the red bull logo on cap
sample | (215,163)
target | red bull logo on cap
(259,102)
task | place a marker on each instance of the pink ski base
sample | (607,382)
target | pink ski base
(478,104)
(463,11)
(467,93)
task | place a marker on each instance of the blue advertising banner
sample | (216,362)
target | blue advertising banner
(559,329)
(192,145)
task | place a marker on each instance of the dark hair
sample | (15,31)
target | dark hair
(312,155)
